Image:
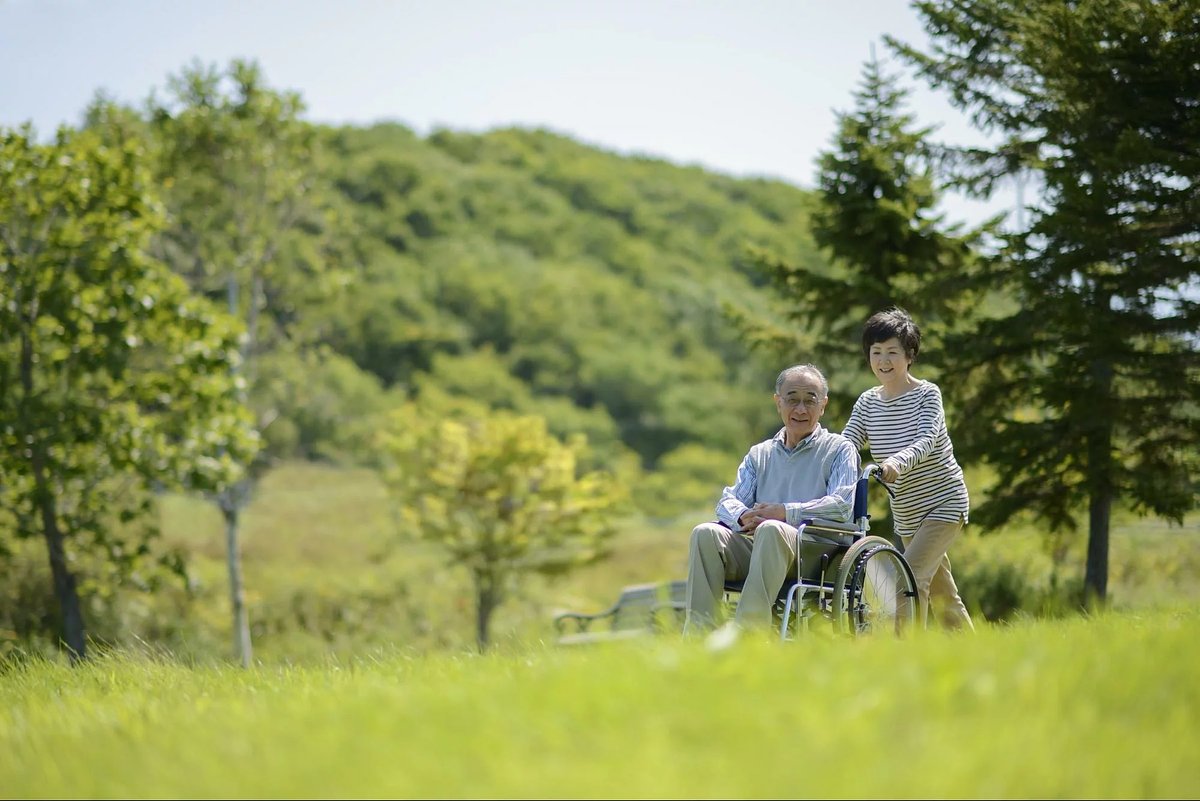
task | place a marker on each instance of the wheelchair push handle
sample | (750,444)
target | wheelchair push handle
(876,472)
(860,491)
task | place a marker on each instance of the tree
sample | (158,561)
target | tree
(242,196)
(875,217)
(501,495)
(110,371)
(1087,389)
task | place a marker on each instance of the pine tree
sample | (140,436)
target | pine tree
(1087,391)
(876,218)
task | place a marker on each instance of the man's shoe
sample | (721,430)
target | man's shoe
(723,637)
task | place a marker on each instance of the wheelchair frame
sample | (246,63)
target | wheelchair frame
(861,580)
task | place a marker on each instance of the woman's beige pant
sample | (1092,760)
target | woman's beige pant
(925,553)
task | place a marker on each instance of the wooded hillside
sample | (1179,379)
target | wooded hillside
(528,271)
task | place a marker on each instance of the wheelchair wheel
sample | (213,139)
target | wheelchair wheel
(875,590)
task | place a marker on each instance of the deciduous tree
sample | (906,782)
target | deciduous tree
(242,192)
(109,368)
(502,496)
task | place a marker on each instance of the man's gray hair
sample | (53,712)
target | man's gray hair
(801,369)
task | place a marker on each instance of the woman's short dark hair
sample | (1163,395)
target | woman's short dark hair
(895,322)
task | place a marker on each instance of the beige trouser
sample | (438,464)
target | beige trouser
(717,554)
(925,552)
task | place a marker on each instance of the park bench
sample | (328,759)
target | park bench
(641,609)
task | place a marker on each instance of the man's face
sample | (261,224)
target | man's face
(800,403)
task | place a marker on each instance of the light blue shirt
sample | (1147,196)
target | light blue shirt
(815,479)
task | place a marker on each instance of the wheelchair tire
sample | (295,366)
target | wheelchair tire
(875,591)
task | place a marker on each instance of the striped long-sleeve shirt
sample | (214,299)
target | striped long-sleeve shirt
(814,479)
(909,432)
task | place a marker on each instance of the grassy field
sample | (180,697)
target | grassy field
(1101,707)
(328,575)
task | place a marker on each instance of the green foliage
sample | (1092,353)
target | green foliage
(688,479)
(595,280)
(322,406)
(1003,591)
(251,222)
(479,381)
(501,495)
(1087,391)
(235,161)
(113,378)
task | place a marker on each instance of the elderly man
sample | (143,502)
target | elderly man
(802,472)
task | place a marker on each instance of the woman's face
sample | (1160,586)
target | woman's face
(889,362)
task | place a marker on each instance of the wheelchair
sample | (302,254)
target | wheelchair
(859,582)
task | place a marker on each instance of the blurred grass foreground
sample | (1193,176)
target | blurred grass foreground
(1084,707)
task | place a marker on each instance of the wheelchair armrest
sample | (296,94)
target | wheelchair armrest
(831,525)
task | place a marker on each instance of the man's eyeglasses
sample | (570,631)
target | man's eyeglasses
(809,402)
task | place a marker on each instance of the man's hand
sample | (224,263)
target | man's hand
(759,512)
(888,472)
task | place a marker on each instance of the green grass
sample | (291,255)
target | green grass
(1084,707)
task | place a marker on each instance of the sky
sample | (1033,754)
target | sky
(743,87)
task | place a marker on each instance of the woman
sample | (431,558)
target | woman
(904,423)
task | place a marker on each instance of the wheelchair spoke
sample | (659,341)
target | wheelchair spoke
(875,590)
(881,593)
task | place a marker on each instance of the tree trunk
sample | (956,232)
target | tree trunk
(64,581)
(230,508)
(1100,494)
(1095,581)
(231,503)
(486,601)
